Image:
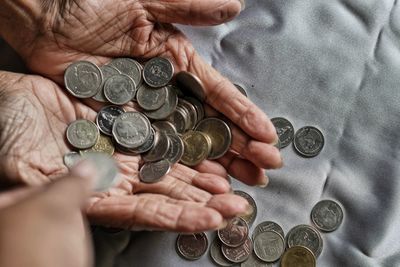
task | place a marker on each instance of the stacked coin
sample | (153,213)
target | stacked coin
(169,127)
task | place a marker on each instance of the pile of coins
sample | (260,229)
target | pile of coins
(169,126)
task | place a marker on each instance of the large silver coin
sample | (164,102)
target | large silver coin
(235,233)
(131,129)
(82,134)
(254,261)
(240,89)
(192,246)
(191,111)
(285,131)
(166,109)
(106,117)
(192,84)
(149,144)
(306,236)
(269,246)
(220,134)
(268,226)
(107,72)
(158,71)
(119,89)
(130,67)
(83,79)
(238,254)
(165,126)
(308,141)
(251,217)
(176,149)
(216,254)
(180,119)
(198,105)
(152,172)
(327,215)
(151,98)
(70,158)
(160,148)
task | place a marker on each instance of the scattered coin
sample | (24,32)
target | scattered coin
(298,256)
(192,246)
(152,172)
(166,109)
(235,233)
(70,158)
(268,226)
(306,236)
(241,89)
(248,218)
(254,261)
(160,148)
(151,98)
(285,131)
(104,144)
(238,254)
(82,134)
(327,215)
(308,141)
(216,254)
(269,246)
(107,72)
(197,147)
(106,117)
(192,84)
(119,89)
(131,129)
(83,79)
(130,67)
(158,72)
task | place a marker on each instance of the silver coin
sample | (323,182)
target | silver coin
(238,254)
(308,141)
(284,129)
(327,215)
(148,144)
(191,111)
(254,261)
(70,158)
(241,89)
(176,149)
(165,126)
(107,72)
(82,134)
(130,67)
(269,246)
(119,89)
(235,233)
(220,134)
(192,246)
(83,79)
(176,89)
(159,149)
(166,109)
(191,84)
(158,71)
(131,129)
(216,254)
(152,172)
(306,236)
(268,226)
(106,117)
(180,119)
(151,98)
(248,218)
(198,105)
(106,170)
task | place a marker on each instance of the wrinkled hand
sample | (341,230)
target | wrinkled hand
(35,114)
(61,32)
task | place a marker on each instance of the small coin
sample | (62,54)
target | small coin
(166,109)
(104,144)
(175,151)
(107,72)
(130,67)
(269,246)
(285,131)
(248,218)
(196,148)
(106,117)
(220,134)
(298,256)
(151,98)
(165,126)
(241,89)
(238,254)
(70,158)
(308,141)
(254,261)
(192,246)
(82,134)
(267,226)
(327,215)
(119,89)
(131,129)
(83,79)
(306,236)
(235,233)
(198,105)
(158,72)
(191,111)
(180,119)
(160,148)
(191,84)
(216,254)
(152,172)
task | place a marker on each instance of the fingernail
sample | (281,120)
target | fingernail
(243,4)
(223,225)
(264,182)
(86,170)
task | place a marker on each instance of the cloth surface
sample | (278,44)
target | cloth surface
(330,64)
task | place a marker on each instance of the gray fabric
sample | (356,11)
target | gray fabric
(331,64)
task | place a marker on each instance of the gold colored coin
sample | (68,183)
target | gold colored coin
(298,256)
(104,144)
(196,148)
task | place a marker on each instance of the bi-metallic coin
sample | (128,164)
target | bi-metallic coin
(298,256)
(196,148)
(104,144)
